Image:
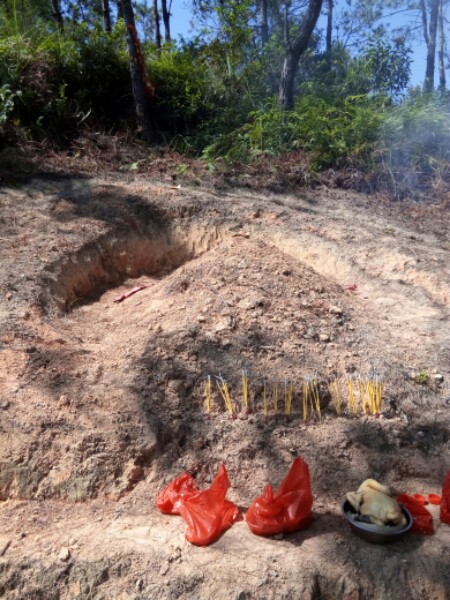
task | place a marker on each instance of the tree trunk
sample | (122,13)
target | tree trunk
(423,12)
(264,22)
(157,24)
(428,85)
(293,53)
(441,49)
(166,20)
(329,25)
(119,9)
(286,94)
(286,29)
(106,15)
(57,15)
(142,87)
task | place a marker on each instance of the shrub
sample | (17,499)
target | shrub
(58,81)
(414,145)
(180,83)
(333,133)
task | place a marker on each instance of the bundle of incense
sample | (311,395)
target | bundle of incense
(223,388)
(208,394)
(335,395)
(288,396)
(245,399)
(352,403)
(265,399)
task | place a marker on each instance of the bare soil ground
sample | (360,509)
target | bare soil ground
(102,402)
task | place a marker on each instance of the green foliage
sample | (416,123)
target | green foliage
(234,17)
(180,80)
(339,132)
(333,133)
(387,66)
(27,71)
(383,68)
(414,144)
(94,66)
(215,96)
(421,377)
(201,93)
(57,80)
(17,18)
(7,99)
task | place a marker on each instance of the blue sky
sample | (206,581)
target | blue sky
(182,16)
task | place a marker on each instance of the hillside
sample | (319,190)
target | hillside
(103,404)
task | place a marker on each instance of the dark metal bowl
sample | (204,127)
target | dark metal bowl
(374,533)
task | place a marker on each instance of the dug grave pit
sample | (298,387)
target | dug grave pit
(112,408)
(126,380)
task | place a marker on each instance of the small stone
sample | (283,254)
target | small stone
(324,337)
(64,554)
(139,585)
(250,303)
(176,385)
(64,400)
(438,377)
(8,295)
(135,474)
(175,556)
(4,405)
(335,310)
(222,325)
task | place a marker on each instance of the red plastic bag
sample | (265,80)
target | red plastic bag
(422,518)
(207,512)
(445,501)
(170,498)
(286,510)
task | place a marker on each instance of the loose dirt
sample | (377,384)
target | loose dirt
(103,401)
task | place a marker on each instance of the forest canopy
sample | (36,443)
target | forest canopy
(257,78)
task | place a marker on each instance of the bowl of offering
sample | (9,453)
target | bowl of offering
(375,534)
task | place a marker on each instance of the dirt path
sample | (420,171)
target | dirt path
(102,402)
